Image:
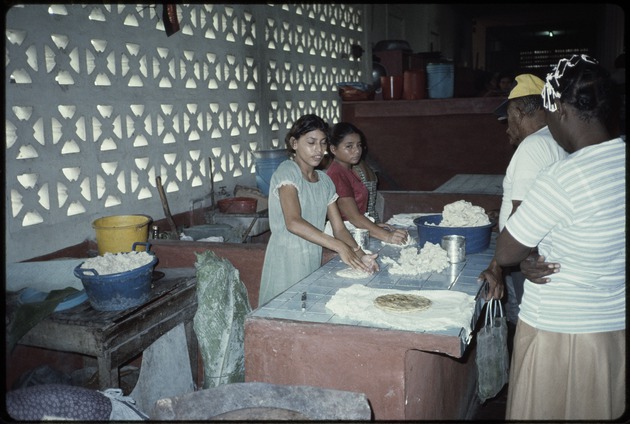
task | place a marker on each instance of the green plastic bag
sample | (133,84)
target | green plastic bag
(219,323)
(493,358)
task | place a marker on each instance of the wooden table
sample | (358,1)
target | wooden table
(116,337)
(407,375)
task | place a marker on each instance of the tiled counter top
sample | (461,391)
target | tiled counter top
(322,285)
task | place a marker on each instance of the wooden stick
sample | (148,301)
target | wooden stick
(167,211)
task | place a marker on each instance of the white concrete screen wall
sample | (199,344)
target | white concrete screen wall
(100,101)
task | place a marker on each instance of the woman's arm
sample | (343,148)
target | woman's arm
(292,211)
(509,251)
(341,232)
(348,206)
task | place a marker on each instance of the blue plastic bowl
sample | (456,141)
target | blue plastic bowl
(477,238)
(116,292)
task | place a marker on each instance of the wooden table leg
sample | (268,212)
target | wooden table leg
(108,376)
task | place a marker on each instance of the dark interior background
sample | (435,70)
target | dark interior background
(515,31)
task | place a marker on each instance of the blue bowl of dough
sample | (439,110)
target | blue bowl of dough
(477,238)
(118,291)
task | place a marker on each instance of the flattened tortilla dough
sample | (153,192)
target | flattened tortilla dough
(352,273)
(399,302)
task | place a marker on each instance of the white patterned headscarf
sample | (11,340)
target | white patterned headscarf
(551,90)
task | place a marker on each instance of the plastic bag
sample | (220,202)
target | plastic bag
(219,323)
(492,353)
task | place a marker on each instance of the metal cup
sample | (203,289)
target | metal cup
(455,247)
(362,237)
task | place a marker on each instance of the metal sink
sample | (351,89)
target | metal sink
(259,221)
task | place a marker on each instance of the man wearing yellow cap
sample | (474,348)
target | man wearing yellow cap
(535,150)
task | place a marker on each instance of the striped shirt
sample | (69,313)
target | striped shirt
(576,214)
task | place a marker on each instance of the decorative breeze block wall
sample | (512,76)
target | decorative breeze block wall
(100,101)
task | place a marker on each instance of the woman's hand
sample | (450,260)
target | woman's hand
(395,235)
(386,226)
(354,257)
(535,269)
(494,277)
(398,237)
(370,261)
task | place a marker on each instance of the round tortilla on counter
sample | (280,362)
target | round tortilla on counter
(399,302)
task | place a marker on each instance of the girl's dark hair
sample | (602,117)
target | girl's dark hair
(303,125)
(342,129)
(587,87)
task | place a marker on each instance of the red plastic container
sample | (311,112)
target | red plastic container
(242,205)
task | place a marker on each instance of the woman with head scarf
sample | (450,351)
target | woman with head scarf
(569,357)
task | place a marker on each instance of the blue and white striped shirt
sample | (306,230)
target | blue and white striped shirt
(576,214)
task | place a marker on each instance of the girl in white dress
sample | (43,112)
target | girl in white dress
(300,199)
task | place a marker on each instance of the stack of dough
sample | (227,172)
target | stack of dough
(431,258)
(464,214)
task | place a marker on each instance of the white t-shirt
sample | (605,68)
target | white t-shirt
(536,152)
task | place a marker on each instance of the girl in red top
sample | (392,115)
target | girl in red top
(346,145)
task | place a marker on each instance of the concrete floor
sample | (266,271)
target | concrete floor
(493,409)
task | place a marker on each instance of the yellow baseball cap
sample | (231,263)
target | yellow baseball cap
(526,85)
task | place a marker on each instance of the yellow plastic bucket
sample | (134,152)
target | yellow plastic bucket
(118,233)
